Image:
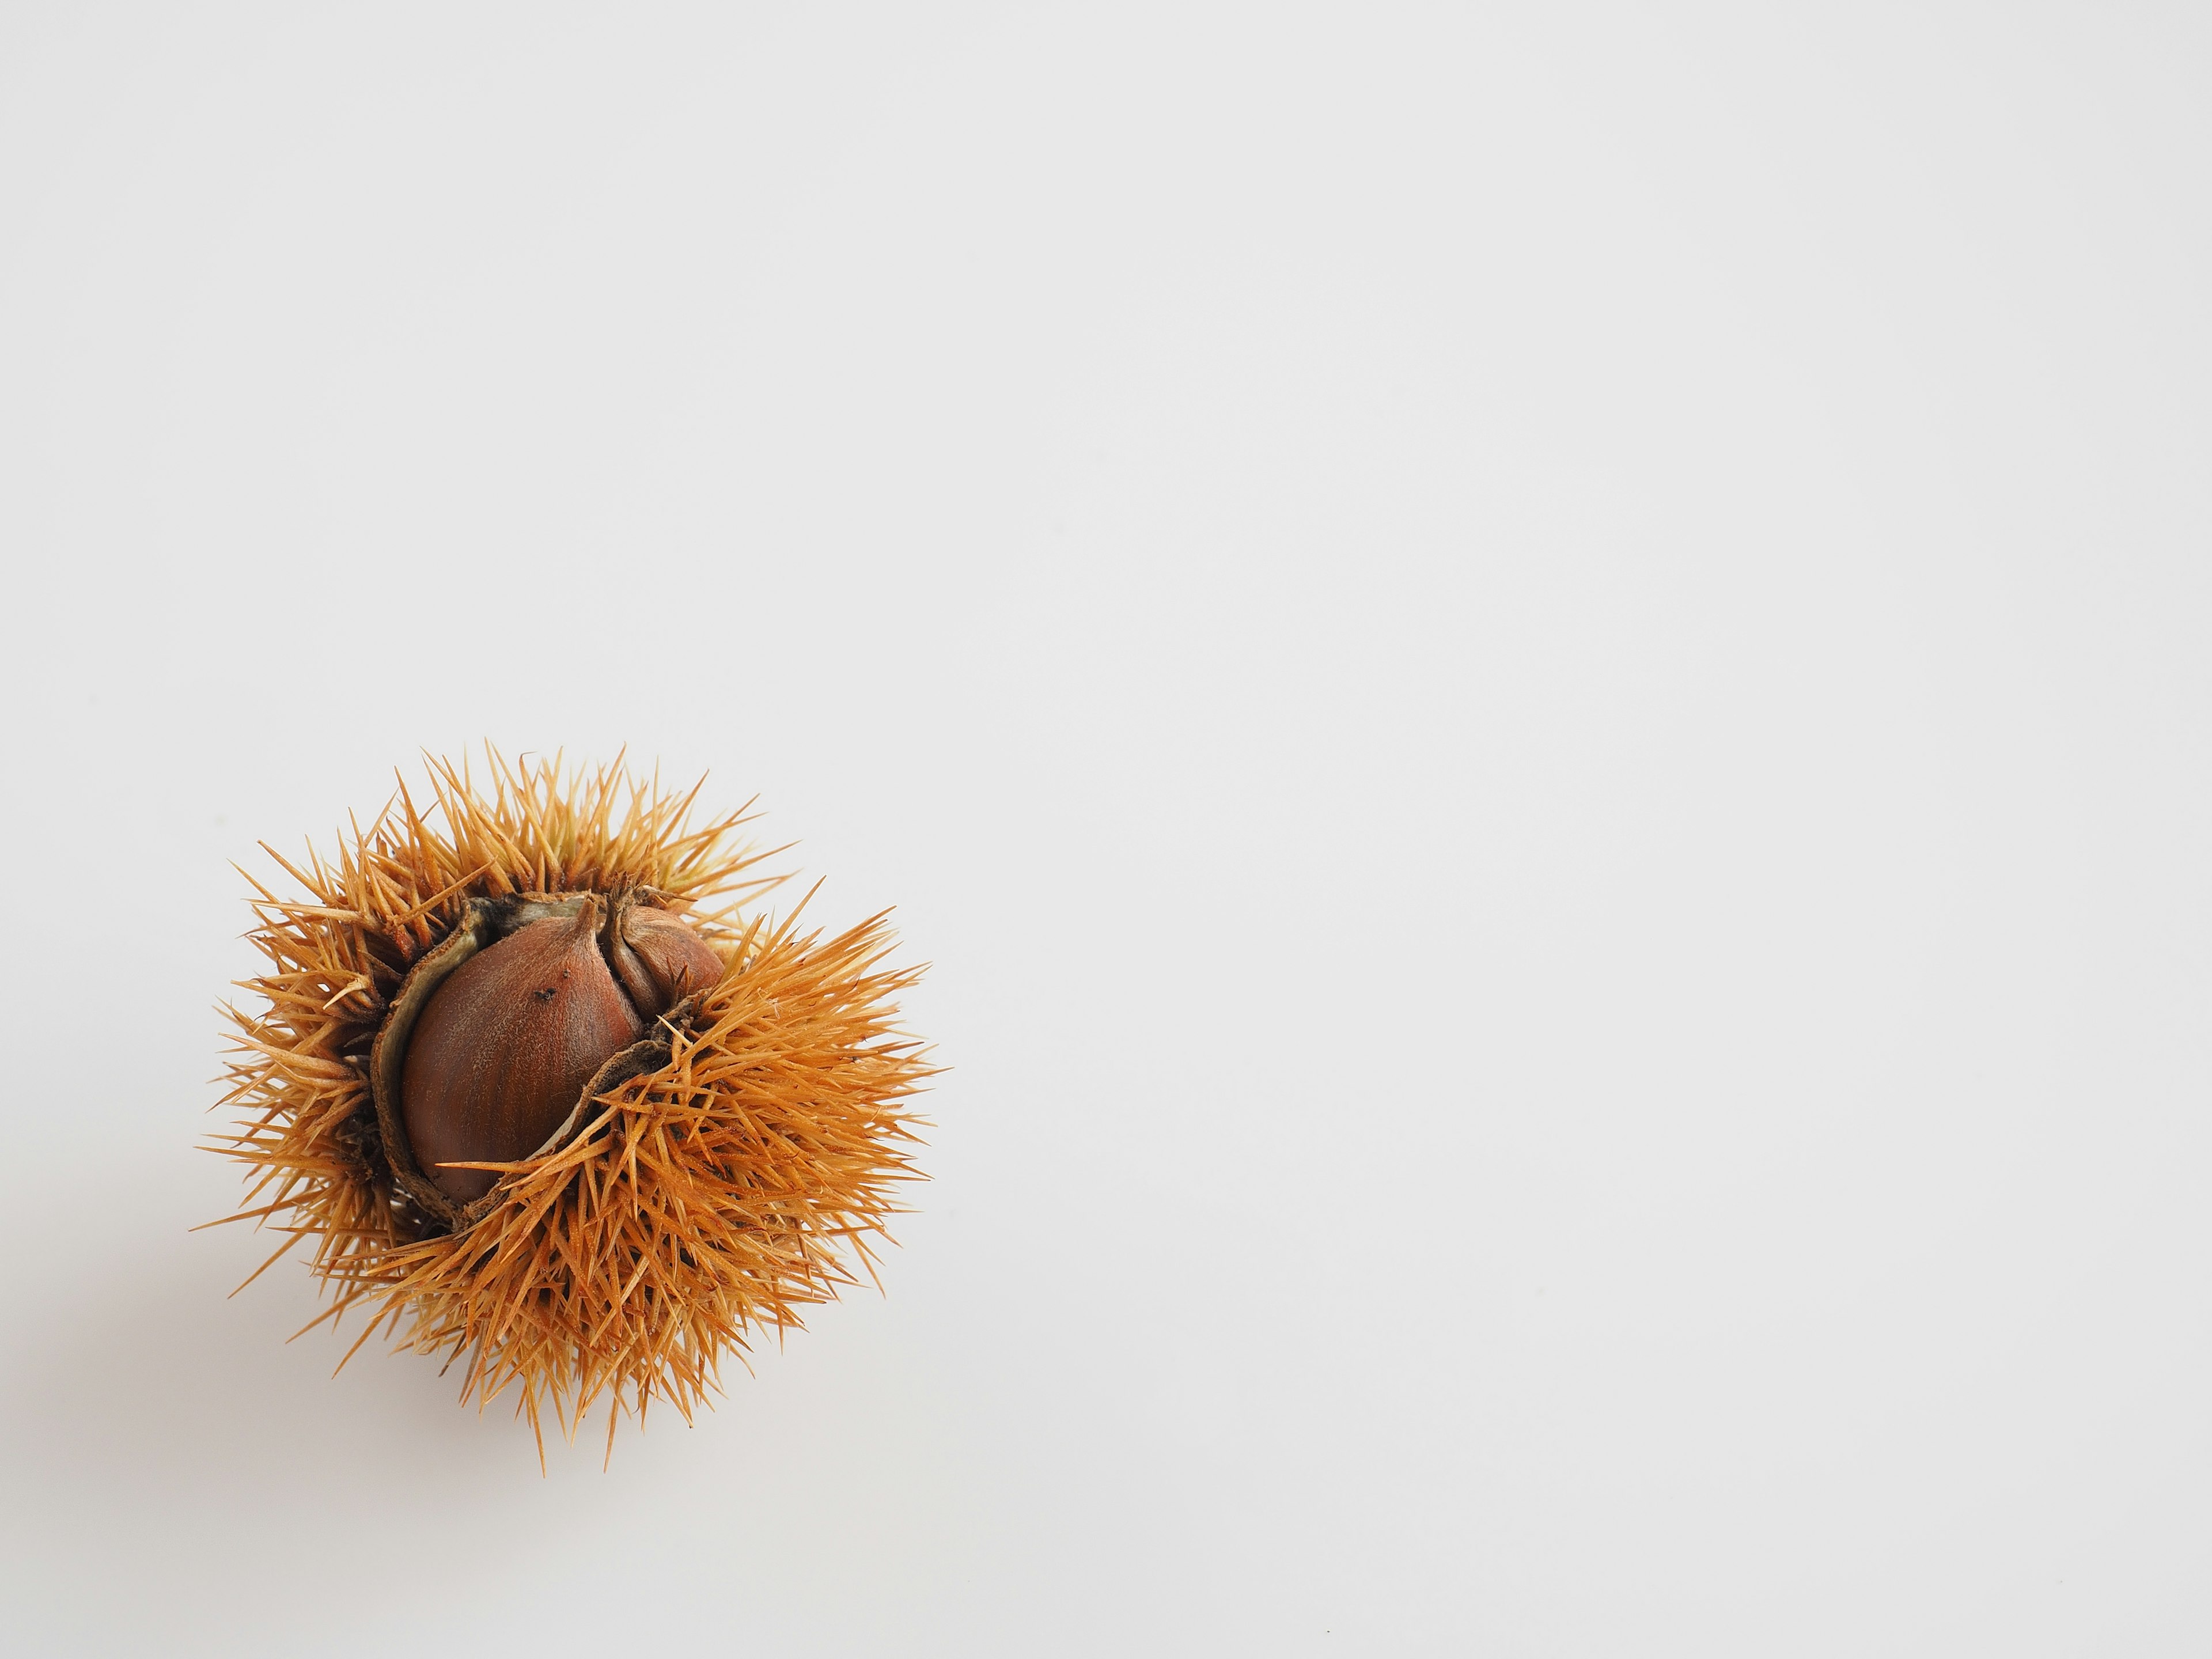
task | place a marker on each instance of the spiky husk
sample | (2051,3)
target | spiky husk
(707,1202)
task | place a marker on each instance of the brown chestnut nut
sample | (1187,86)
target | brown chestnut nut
(501,1051)
(659,960)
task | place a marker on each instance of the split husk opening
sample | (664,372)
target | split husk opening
(485,923)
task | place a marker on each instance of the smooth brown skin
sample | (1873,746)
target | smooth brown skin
(659,960)
(504,1048)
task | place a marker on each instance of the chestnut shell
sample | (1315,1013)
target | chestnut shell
(507,1070)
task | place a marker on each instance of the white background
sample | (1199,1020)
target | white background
(1537,676)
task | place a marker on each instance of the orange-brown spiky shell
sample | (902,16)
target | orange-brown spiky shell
(710,1199)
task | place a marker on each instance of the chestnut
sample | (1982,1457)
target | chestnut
(496,1037)
(697,1117)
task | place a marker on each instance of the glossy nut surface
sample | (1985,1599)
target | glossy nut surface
(504,1047)
(659,959)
